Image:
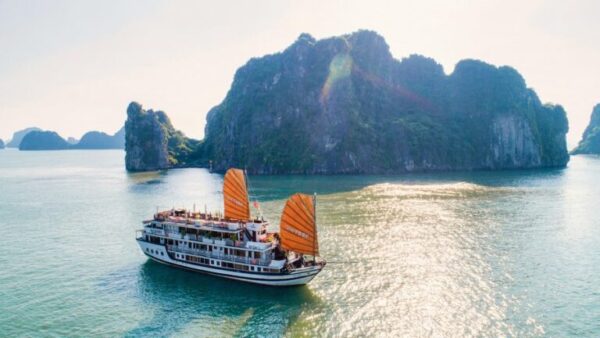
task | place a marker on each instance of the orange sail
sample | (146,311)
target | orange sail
(235,195)
(298,229)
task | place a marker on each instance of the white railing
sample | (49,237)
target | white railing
(257,245)
(206,240)
(211,254)
(153,231)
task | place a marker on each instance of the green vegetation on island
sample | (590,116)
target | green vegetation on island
(152,143)
(345,105)
(590,142)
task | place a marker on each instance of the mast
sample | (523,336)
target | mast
(247,192)
(315,219)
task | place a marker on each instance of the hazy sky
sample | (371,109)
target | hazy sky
(73,66)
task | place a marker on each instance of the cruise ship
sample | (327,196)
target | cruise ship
(235,245)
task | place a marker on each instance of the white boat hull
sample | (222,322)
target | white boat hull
(300,276)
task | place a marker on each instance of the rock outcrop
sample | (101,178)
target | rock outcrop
(15,142)
(345,105)
(590,142)
(43,140)
(151,142)
(100,140)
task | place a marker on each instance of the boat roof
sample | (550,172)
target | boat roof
(205,222)
(207,227)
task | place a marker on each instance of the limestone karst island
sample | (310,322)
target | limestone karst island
(345,105)
(299,168)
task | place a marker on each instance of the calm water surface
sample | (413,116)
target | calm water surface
(461,254)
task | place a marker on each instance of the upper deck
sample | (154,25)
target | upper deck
(209,229)
(206,221)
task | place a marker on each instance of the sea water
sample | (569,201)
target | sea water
(512,253)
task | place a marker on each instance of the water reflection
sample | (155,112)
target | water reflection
(148,177)
(193,182)
(432,247)
(511,253)
(186,302)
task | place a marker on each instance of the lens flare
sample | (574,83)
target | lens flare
(339,68)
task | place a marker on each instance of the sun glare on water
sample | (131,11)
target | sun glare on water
(410,260)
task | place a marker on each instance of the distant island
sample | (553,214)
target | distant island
(37,139)
(590,143)
(43,140)
(15,142)
(345,105)
(1,144)
(100,140)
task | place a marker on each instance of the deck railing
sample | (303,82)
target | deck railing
(226,242)
(212,254)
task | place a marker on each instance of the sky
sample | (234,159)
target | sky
(73,66)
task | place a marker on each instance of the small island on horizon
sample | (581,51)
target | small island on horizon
(34,138)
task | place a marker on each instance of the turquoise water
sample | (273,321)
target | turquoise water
(461,254)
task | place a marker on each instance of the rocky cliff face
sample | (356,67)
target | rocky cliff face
(513,143)
(590,143)
(345,105)
(43,140)
(151,142)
